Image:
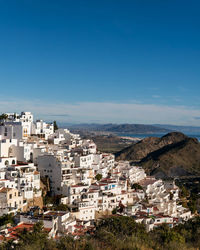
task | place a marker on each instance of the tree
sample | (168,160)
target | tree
(98,177)
(114,211)
(35,239)
(121,226)
(5,219)
(192,206)
(184,192)
(3,117)
(136,186)
(55,126)
(61,207)
(165,236)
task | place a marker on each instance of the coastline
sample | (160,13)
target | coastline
(130,138)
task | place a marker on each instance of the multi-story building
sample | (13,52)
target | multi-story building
(43,129)
(59,172)
(10,199)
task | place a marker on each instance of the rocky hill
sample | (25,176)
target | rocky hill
(138,151)
(169,156)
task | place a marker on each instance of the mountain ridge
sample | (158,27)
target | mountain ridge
(119,128)
(174,154)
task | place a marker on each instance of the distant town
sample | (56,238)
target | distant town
(50,175)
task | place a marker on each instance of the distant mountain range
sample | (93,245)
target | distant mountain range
(183,129)
(172,155)
(131,128)
(119,128)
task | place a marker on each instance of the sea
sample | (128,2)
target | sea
(142,136)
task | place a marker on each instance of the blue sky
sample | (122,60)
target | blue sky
(101,61)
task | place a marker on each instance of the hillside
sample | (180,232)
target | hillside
(141,149)
(172,155)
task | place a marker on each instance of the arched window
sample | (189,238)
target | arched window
(13,162)
(7,163)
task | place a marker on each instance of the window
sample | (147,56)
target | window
(10,196)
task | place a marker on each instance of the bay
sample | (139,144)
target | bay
(142,136)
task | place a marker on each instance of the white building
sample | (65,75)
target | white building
(83,161)
(10,199)
(11,130)
(26,178)
(43,129)
(59,172)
